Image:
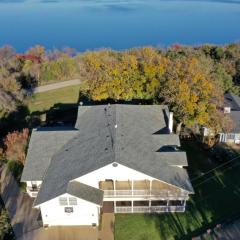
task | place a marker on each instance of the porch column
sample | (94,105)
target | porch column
(132,206)
(114,206)
(168,205)
(132,186)
(114,187)
(184,203)
(150,187)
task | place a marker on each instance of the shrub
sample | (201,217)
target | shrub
(16,144)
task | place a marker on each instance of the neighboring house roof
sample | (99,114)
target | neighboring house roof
(44,143)
(233,101)
(126,134)
(235,116)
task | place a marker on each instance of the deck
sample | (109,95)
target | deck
(143,188)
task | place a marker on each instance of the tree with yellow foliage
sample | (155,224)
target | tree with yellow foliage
(188,88)
(124,75)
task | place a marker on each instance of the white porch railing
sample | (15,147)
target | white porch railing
(123,209)
(152,209)
(135,193)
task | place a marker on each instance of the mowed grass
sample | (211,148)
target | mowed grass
(41,102)
(216,198)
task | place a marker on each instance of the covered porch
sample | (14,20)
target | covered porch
(115,188)
(151,206)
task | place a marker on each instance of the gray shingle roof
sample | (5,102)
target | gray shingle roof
(233,101)
(127,134)
(235,116)
(44,143)
(85,192)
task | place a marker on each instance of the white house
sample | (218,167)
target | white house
(232,108)
(118,158)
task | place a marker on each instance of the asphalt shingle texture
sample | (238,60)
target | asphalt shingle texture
(85,192)
(130,135)
(233,101)
(44,143)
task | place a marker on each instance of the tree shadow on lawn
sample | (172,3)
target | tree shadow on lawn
(206,209)
(14,121)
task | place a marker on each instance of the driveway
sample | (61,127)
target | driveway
(107,229)
(26,221)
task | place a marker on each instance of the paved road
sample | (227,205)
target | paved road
(230,231)
(57,85)
(19,205)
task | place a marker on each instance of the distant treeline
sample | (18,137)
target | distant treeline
(191,80)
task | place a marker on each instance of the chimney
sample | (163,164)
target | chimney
(227,110)
(170,122)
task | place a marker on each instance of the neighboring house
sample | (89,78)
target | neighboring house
(118,158)
(232,107)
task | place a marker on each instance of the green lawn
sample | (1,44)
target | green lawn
(215,200)
(41,102)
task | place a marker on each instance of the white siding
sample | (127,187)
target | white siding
(84,213)
(29,183)
(120,173)
(33,192)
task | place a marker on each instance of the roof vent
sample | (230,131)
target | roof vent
(114,164)
(109,104)
(115,126)
(81,103)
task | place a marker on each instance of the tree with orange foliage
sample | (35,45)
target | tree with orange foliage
(191,92)
(15,145)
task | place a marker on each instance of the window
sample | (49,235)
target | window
(72,201)
(63,201)
(68,209)
(34,185)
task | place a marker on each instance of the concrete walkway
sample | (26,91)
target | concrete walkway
(107,228)
(57,85)
(26,221)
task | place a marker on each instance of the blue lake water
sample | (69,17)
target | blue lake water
(119,24)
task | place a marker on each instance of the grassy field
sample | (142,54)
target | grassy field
(41,102)
(217,198)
